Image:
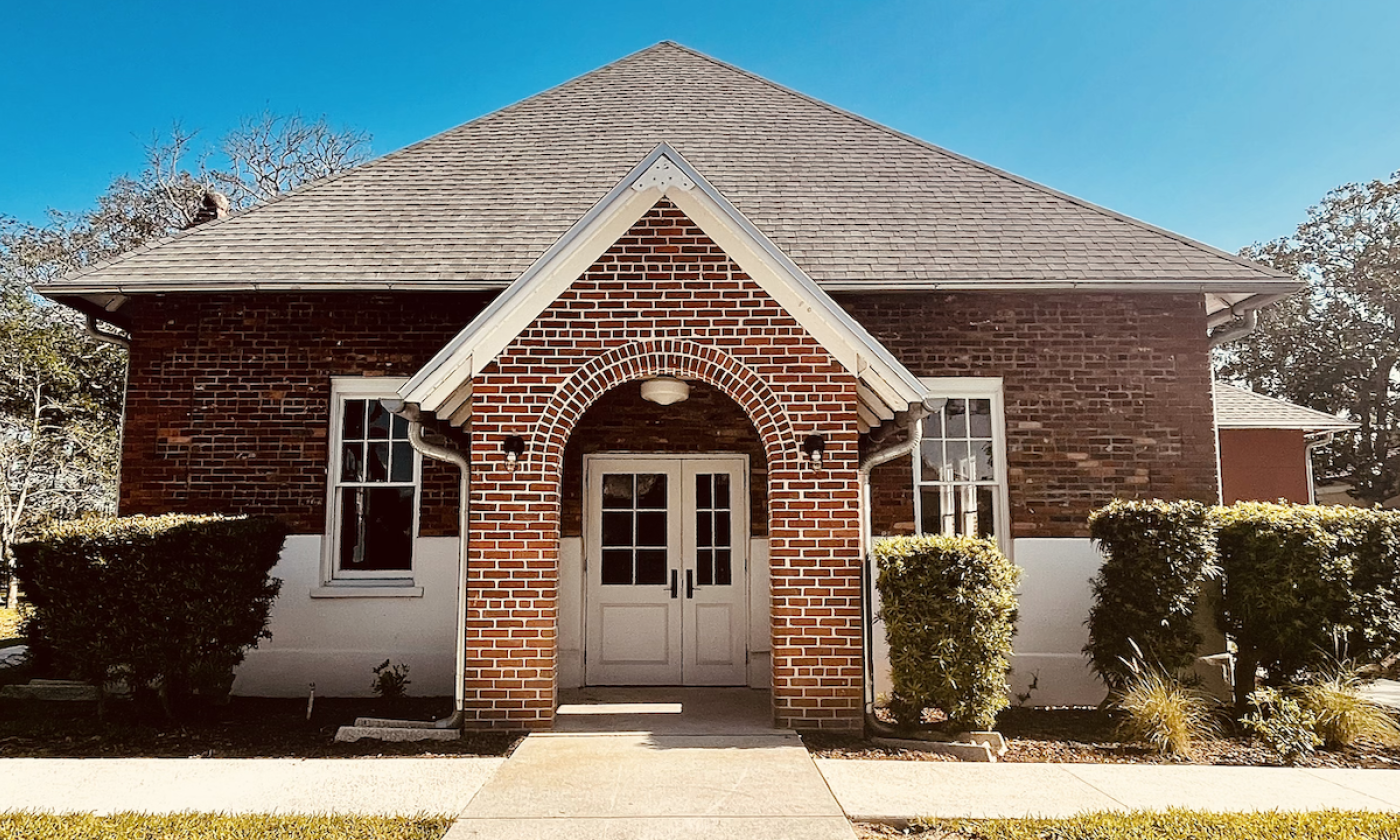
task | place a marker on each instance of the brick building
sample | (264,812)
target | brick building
(673,342)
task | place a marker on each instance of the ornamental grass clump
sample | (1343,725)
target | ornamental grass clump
(1168,716)
(949,607)
(1344,717)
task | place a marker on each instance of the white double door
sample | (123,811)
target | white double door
(666,570)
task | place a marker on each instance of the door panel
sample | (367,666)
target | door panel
(666,581)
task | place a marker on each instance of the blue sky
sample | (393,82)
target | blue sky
(1223,120)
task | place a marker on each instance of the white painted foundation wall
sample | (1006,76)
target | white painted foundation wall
(1055,597)
(335,642)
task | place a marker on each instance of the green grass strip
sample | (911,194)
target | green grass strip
(129,826)
(1182,825)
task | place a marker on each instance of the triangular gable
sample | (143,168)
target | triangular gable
(885,388)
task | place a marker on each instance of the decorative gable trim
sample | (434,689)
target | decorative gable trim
(443,385)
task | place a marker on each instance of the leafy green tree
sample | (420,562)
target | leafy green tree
(1336,346)
(61,391)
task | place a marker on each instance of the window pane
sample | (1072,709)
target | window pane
(378,420)
(617,529)
(931,509)
(353,424)
(933,423)
(982,454)
(651,528)
(931,457)
(651,491)
(704,567)
(617,568)
(403,462)
(400,430)
(723,573)
(704,486)
(979,418)
(352,462)
(376,528)
(617,490)
(986,512)
(721,528)
(722,490)
(957,418)
(957,467)
(651,567)
(704,529)
(377,465)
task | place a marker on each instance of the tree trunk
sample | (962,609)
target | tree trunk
(12,596)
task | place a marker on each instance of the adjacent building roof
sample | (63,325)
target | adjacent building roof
(855,204)
(1237,408)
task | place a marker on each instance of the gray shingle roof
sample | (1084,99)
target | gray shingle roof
(853,203)
(1237,408)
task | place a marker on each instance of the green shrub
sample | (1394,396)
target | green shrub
(1344,717)
(1371,537)
(1156,555)
(1282,723)
(167,601)
(949,607)
(1161,712)
(1287,588)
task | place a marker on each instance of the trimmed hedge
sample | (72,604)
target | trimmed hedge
(949,607)
(168,601)
(1156,555)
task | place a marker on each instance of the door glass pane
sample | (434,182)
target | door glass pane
(617,491)
(651,491)
(651,528)
(704,566)
(617,529)
(723,574)
(651,566)
(617,567)
(712,529)
(722,490)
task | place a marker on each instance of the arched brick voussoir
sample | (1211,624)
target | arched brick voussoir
(670,357)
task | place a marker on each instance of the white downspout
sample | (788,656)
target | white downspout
(913,420)
(1312,442)
(410,412)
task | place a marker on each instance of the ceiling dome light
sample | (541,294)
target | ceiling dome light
(665,390)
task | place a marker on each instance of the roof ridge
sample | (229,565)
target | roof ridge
(363,167)
(1089,205)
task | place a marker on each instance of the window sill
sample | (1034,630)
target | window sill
(387,589)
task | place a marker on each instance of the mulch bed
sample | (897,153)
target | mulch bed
(244,728)
(1087,736)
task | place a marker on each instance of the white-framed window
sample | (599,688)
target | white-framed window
(372,502)
(960,469)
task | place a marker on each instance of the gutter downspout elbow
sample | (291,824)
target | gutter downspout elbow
(913,420)
(411,413)
(109,338)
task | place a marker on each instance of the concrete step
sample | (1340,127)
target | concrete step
(50,691)
(390,723)
(351,734)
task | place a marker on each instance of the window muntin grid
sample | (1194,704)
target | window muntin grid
(957,469)
(375,491)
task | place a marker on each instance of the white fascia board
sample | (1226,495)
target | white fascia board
(663,172)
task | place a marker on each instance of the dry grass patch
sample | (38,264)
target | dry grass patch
(9,623)
(1160,825)
(32,826)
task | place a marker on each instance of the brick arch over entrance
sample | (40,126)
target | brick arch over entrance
(663,299)
(673,357)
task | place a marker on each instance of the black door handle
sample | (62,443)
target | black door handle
(675,580)
(689,583)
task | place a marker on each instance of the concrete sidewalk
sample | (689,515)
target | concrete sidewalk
(390,786)
(902,790)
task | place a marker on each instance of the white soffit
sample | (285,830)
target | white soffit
(443,385)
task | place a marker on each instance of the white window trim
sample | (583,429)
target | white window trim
(974,387)
(336,582)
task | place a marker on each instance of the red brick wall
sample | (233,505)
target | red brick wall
(1264,465)
(1107,396)
(664,299)
(228,397)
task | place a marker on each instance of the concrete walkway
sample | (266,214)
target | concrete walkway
(658,763)
(389,786)
(902,790)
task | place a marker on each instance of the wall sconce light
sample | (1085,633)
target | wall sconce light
(514,447)
(665,390)
(814,447)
